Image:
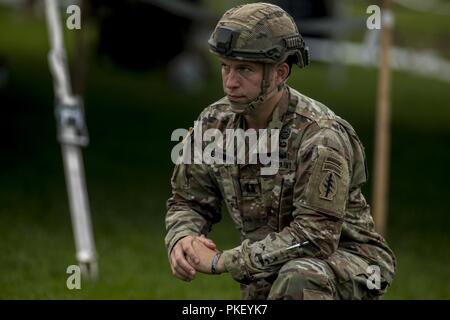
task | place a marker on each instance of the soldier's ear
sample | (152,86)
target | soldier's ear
(282,72)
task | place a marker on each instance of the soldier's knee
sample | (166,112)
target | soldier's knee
(302,280)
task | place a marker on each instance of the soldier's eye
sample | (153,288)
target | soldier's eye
(244,71)
(225,67)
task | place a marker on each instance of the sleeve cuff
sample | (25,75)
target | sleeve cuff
(235,264)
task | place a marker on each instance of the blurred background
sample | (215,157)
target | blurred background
(143,70)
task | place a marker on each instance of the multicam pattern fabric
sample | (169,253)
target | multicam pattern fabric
(260,32)
(315,197)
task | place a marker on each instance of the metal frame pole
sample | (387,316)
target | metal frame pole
(72,135)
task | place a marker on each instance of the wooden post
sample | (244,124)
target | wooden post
(382,126)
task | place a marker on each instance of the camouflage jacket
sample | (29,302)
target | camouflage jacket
(315,196)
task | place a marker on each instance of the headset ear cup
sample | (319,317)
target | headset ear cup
(305,56)
(300,63)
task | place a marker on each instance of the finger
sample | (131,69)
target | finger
(178,261)
(207,242)
(203,238)
(178,264)
(181,262)
(183,275)
(177,275)
(179,272)
(189,250)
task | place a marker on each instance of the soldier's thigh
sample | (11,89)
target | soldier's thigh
(304,279)
(257,290)
(342,276)
(351,276)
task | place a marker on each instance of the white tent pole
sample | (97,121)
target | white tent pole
(72,135)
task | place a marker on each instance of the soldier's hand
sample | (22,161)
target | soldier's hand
(205,255)
(207,242)
(181,268)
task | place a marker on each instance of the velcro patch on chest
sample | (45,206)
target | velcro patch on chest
(250,188)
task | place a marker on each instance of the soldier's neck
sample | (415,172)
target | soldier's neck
(261,119)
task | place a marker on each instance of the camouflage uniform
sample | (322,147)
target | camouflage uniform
(315,196)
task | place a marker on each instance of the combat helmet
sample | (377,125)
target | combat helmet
(259,32)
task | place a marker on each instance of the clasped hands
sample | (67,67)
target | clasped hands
(193,254)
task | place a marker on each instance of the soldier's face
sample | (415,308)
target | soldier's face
(241,80)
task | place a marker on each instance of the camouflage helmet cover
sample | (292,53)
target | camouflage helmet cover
(258,32)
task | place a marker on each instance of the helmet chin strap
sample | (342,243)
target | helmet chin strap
(252,106)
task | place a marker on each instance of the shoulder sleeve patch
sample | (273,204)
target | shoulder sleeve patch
(327,188)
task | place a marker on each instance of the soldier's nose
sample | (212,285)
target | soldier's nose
(231,80)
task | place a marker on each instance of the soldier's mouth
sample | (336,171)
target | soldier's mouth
(233,98)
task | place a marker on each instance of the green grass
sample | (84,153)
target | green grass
(130,118)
